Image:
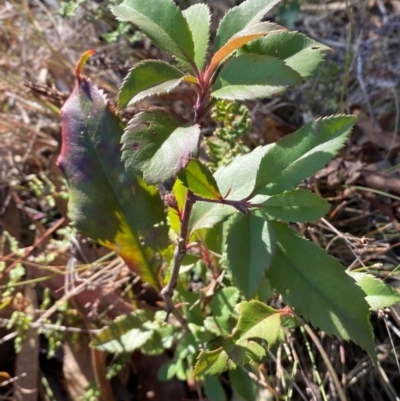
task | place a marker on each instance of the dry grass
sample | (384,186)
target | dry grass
(38,50)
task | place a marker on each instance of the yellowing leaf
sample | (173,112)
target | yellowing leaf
(107,204)
(199,180)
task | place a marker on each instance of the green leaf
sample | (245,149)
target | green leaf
(181,370)
(252,76)
(379,294)
(299,155)
(235,181)
(156,143)
(299,52)
(246,387)
(221,326)
(196,177)
(224,301)
(238,18)
(316,285)
(238,180)
(213,389)
(257,320)
(207,215)
(188,345)
(114,208)
(227,357)
(297,205)
(126,334)
(264,291)
(179,192)
(162,338)
(245,352)
(250,248)
(211,363)
(164,24)
(191,307)
(149,77)
(199,18)
(167,371)
(241,38)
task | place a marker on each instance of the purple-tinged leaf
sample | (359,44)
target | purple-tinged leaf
(149,77)
(107,204)
(159,144)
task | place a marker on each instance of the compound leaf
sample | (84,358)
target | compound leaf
(297,205)
(199,18)
(235,181)
(156,144)
(316,285)
(299,155)
(149,77)
(238,18)
(163,24)
(250,248)
(251,76)
(379,294)
(299,52)
(114,208)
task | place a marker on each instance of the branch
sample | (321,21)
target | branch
(167,292)
(179,253)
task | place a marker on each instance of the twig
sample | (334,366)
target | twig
(30,249)
(12,380)
(45,327)
(179,253)
(341,235)
(55,327)
(389,325)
